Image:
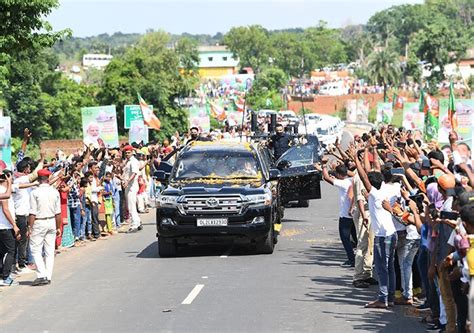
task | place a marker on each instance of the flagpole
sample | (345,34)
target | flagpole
(243,116)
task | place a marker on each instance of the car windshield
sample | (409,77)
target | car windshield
(300,155)
(322,131)
(216,165)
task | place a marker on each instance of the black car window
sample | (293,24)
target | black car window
(300,155)
(216,164)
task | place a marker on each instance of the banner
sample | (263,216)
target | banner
(6,141)
(413,119)
(99,126)
(431,111)
(198,117)
(357,110)
(138,132)
(444,122)
(464,117)
(132,113)
(384,112)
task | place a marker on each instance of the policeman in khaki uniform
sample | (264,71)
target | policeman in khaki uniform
(43,227)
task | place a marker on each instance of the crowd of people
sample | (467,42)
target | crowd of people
(72,200)
(406,221)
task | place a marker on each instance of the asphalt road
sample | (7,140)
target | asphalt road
(120,284)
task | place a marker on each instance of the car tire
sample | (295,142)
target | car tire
(303,203)
(267,245)
(166,249)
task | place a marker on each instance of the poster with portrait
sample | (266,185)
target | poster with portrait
(464,114)
(362,111)
(99,126)
(413,119)
(138,132)
(199,117)
(384,113)
(351,110)
(6,141)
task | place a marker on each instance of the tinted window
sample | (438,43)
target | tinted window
(216,164)
(300,155)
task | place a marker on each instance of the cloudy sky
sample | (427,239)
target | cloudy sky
(92,17)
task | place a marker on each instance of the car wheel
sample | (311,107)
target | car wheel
(303,203)
(267,245)
(166,249)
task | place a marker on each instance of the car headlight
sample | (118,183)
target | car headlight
(167,201)
(259,199)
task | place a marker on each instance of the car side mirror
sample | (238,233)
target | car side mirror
(284,164)
(274,174)
(161,175)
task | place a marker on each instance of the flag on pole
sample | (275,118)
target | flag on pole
(217,111)
(451,108)
(149,118)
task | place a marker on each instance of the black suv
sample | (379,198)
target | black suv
(219,192)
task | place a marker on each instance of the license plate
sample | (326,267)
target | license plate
(212,222)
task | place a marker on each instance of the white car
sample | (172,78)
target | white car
(334,89)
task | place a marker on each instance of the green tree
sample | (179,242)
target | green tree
(22,27)
(265,92)
(383,67)
(251,45)
(152,69)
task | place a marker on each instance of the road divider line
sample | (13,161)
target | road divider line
(193,294)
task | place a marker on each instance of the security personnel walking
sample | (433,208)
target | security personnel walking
(43,227)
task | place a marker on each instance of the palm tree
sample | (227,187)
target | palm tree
(383,67)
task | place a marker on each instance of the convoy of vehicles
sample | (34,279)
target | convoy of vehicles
(221,192)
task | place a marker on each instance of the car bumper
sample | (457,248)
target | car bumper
(239,229)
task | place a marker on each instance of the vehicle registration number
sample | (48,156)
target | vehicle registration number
(212,222)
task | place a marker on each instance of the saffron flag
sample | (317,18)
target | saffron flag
(149,118)
(217,111)
(451,108)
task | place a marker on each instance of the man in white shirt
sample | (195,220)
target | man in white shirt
(130,184)
(385,240)
(346,225)
(43,227)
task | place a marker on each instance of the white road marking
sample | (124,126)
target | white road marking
(204,277)
(193,294)
(223,256)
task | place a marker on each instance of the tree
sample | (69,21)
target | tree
(251,45)
(291,53)
(22,27)
(383,67)
(265,92)
(152,69)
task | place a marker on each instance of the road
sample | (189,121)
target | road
(120,284)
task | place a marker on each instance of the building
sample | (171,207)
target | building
(216,61)
(99,61)
(466,64)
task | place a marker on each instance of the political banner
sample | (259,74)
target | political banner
(99,126)
(444,123)
(465,120)
(6,141)
(384,112)
(132,113)
(413,119)
(357,110)
(199,117)
(138,132)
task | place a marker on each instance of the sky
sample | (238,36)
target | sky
(93,17)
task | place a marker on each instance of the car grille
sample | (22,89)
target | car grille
(212,205)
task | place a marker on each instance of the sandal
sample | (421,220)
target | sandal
(376,305)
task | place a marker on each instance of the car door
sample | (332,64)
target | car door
(299,179)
